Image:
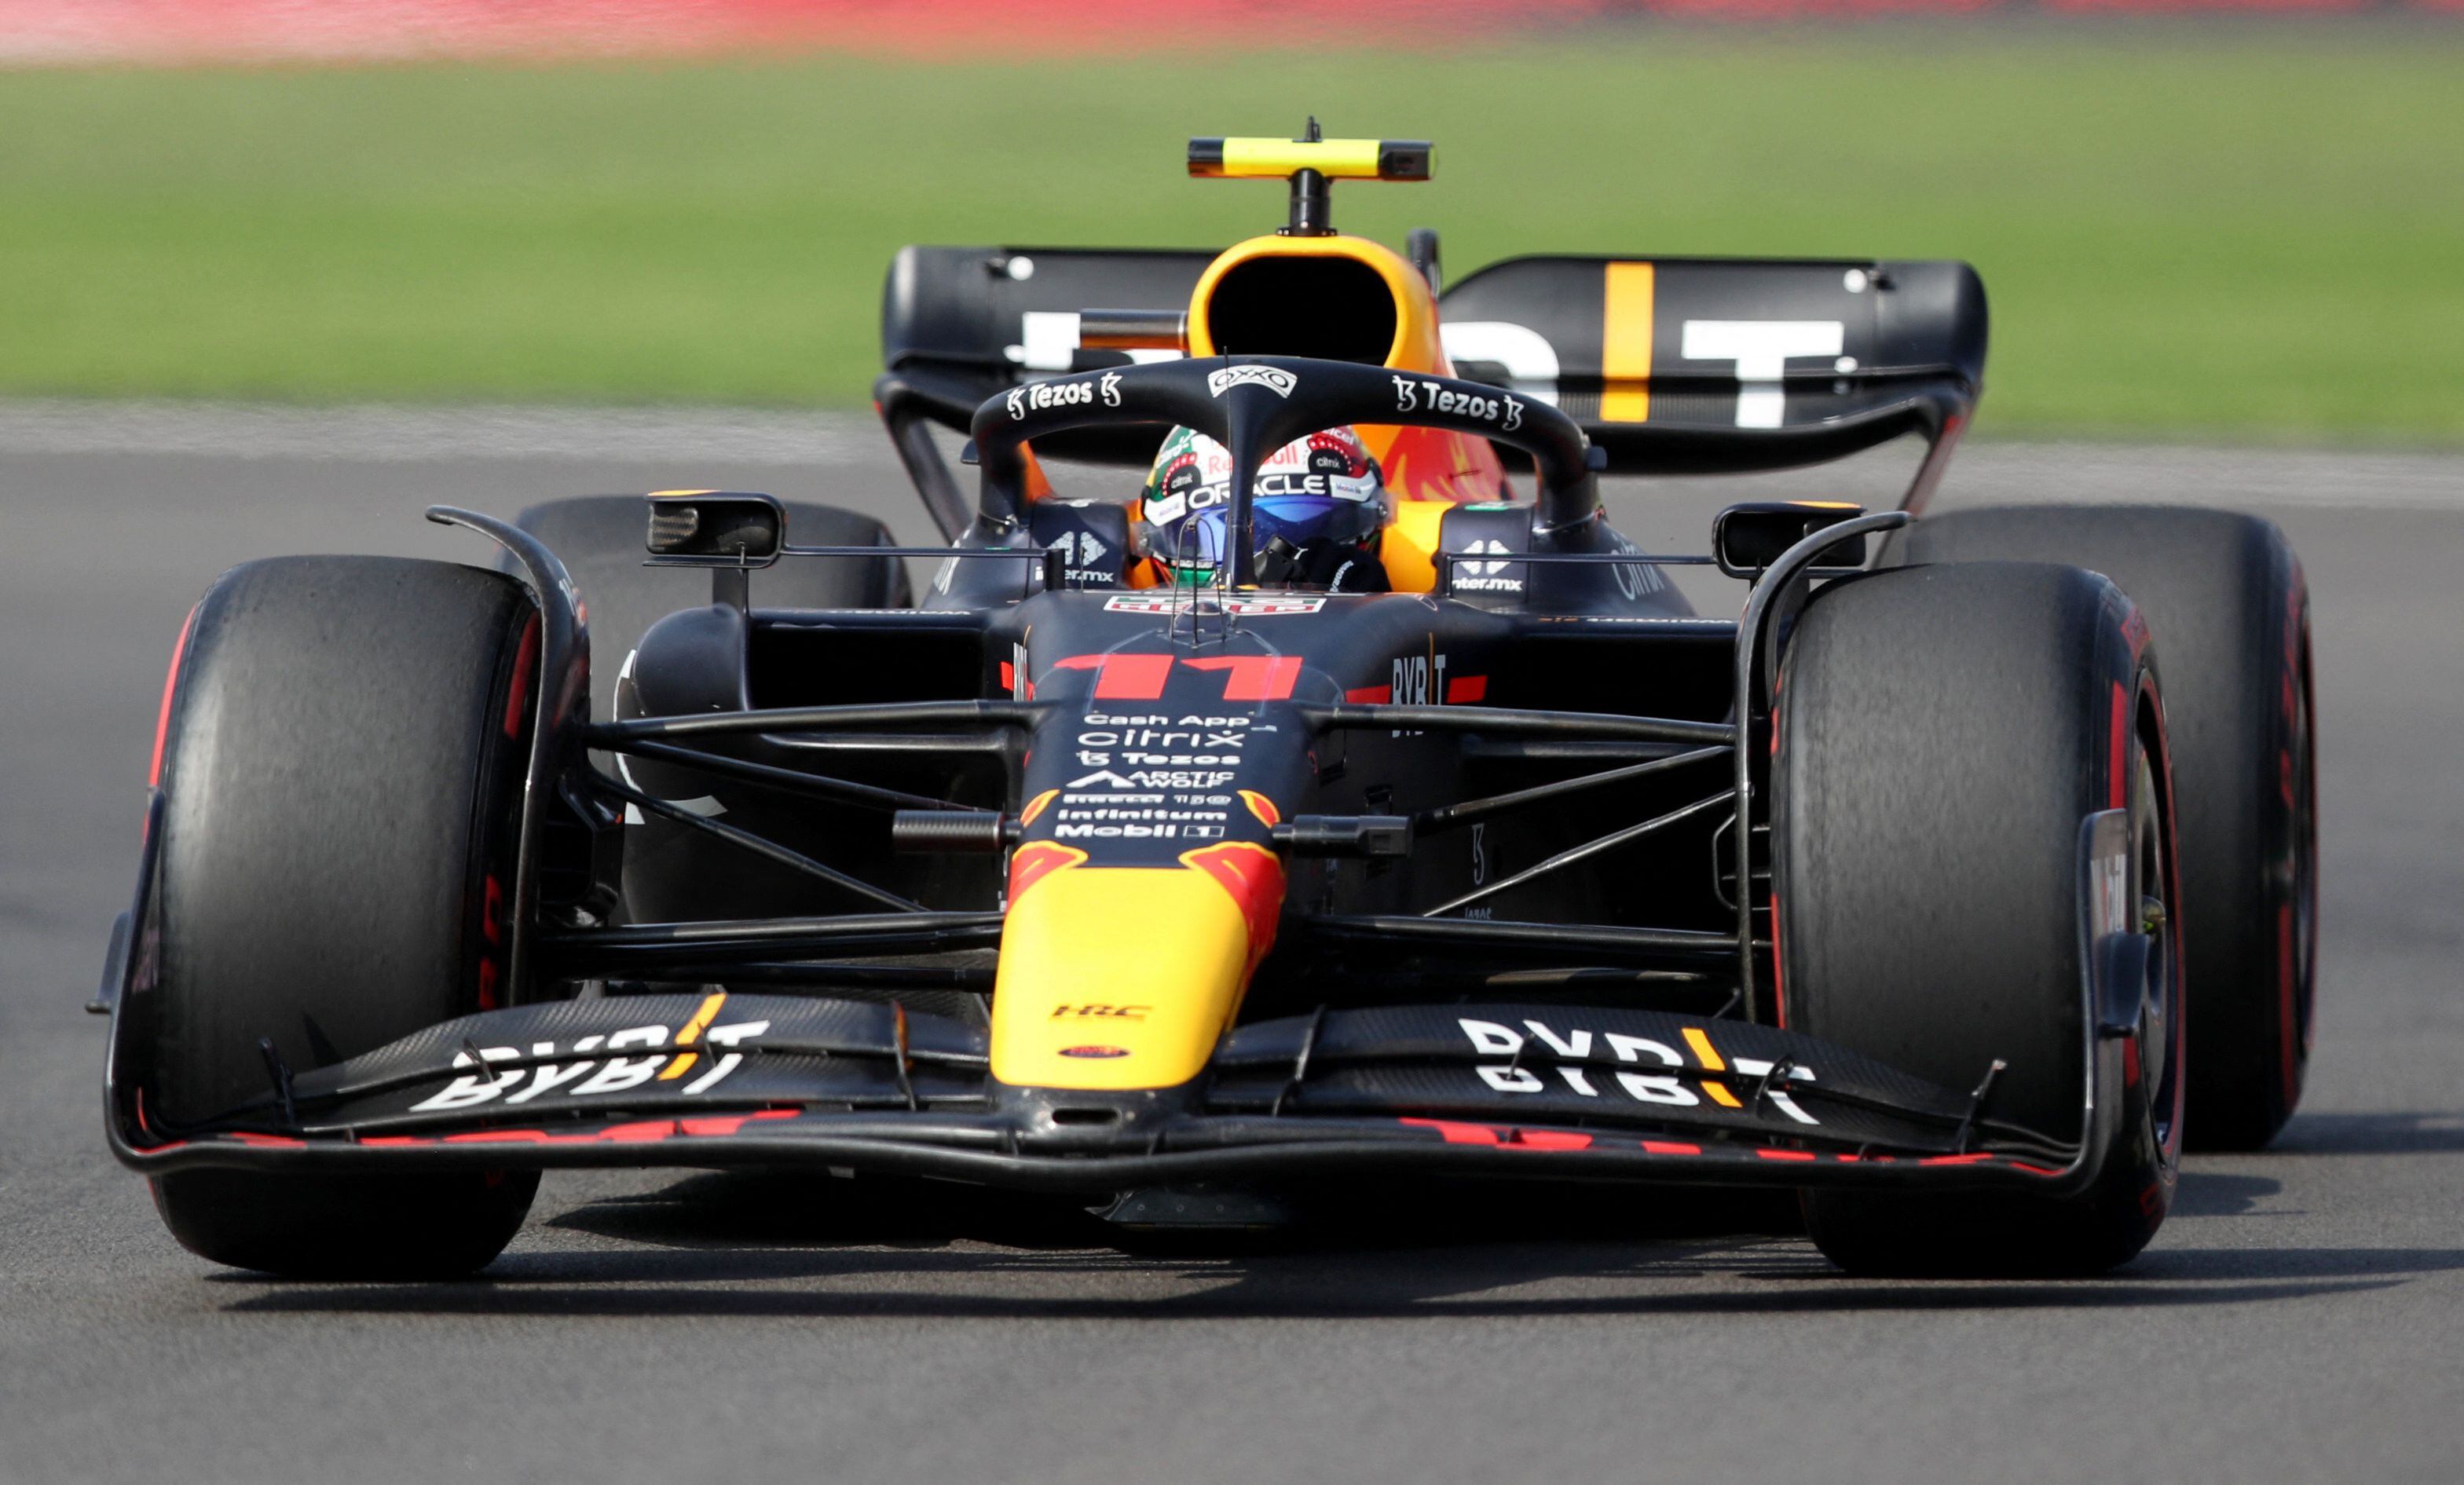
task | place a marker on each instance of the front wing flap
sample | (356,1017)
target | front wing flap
(727,1080)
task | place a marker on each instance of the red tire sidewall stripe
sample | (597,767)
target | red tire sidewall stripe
(171,688)
(2164,771)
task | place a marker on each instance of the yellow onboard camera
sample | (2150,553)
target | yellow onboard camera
(1310,163)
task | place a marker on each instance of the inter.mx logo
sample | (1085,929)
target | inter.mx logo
(1485,569)
(1488,576)
(1079,548)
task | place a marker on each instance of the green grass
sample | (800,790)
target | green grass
(2260,237)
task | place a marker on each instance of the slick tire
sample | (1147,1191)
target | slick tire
(2224,600)
(1943,733)
(600,540)
(342,768)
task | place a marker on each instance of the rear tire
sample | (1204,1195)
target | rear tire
(342,771)
(600,540)
(1943,733)
(2224,596)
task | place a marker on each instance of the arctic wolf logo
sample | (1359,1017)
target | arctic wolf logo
(1279,382)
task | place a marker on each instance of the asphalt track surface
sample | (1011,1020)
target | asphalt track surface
(2300,1317)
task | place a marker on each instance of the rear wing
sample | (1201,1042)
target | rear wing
(1672,365)
(1716,365)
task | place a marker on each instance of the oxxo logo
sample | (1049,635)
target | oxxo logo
(1273,378)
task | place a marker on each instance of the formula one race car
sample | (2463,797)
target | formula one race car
(1330,809)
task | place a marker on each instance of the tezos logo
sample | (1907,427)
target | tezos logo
(1273,379)
(1042,395)
(1506,412)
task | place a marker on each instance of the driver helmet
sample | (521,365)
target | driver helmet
(1318,505)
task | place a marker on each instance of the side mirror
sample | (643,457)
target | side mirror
(714,528)
(1749,537)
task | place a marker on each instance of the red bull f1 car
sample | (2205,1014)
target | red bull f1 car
(1910,885)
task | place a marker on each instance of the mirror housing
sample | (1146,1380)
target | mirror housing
(1749,537)
(714,528)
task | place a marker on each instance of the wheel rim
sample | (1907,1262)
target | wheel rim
(2160,1017)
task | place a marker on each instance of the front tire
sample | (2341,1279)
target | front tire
(2225,598)
(341,769)
(1943,732)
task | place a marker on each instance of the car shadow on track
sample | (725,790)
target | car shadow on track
(2218,1194)
(2414,1133)
(745,1246)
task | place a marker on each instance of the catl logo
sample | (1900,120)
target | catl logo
(1100,1011)
(1273,378)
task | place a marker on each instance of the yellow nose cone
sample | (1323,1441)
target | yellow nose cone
(1117,977)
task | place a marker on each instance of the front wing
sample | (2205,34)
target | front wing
(772,1081)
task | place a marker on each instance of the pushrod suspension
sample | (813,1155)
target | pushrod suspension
(746,840)
(1514,722)
(793,719)
(788,780)
(1583,852)
(1446,816)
